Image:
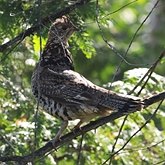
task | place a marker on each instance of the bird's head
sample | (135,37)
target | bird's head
(61,30)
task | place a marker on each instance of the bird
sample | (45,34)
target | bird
(65,93)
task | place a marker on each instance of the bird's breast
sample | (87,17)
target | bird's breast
(65,112)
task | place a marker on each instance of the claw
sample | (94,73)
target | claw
(77,127)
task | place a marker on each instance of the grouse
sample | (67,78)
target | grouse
(66,94)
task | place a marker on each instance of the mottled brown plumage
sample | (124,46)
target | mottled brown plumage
(66,94)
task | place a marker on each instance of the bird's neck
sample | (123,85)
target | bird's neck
(56,54)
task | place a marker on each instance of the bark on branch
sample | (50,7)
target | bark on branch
(44,21)
(22,160)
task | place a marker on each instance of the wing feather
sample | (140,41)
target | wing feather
(70,88)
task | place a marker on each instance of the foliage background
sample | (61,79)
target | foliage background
(119,21)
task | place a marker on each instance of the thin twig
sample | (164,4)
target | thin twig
(80,150)
(39,94)
(119,132)
(3,137)
(147,121)
(151,69)
(132,149)
(119,8)
(105,40)
(160,162)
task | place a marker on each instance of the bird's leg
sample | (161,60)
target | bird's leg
(63,126)
(78,125)
(86,120)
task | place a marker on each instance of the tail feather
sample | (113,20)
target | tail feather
(122,103)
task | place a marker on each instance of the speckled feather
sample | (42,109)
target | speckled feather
(75,93)
(66,94)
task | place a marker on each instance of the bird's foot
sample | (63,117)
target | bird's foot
(55,140)
(76,128)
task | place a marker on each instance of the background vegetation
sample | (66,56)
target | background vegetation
(22,131)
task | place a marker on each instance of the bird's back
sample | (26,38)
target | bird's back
(80,97)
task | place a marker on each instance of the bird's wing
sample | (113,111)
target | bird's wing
(68,87)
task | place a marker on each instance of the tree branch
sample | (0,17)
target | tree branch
(43,22)
(68,137)
(153,99)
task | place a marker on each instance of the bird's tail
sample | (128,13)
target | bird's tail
(122,103)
